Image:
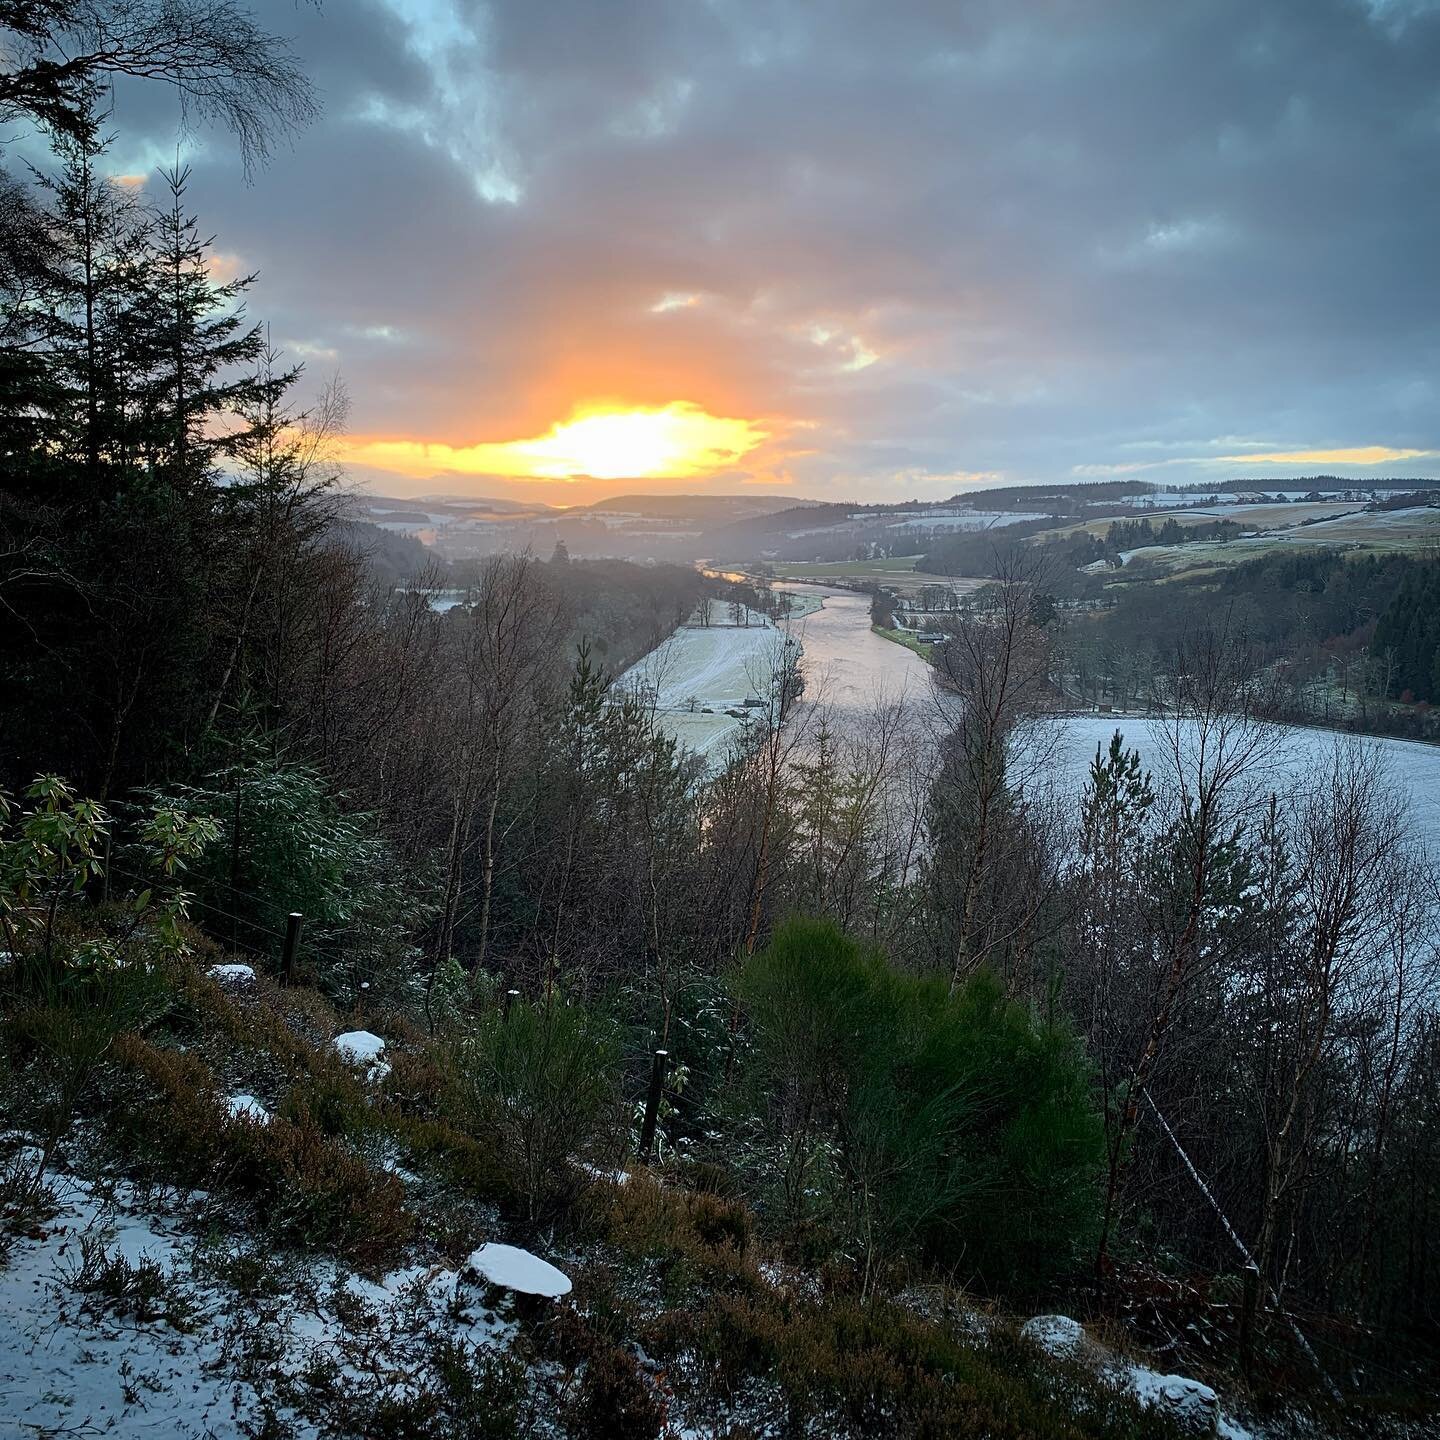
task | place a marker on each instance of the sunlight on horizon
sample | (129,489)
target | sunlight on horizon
(601,442)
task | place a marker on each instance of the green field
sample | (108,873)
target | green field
(905,638)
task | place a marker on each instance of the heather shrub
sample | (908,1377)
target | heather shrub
(167,1121)
(847,1368)
(458,1390)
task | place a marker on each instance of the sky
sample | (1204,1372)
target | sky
(828,248)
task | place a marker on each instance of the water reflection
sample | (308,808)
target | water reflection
(847,667)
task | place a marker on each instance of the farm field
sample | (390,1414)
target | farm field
(897,573)
(1365,533)
(1251,516)
(701,673)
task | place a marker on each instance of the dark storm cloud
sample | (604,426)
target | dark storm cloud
(922,239)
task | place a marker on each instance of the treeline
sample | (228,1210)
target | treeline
(986,554)
(1340,635)
(1407,635)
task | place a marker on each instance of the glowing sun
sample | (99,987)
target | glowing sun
(676,441)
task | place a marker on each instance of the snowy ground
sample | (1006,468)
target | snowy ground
(714,669)
(1411,767)
(121,1320)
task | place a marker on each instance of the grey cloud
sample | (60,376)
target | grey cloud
(1064,225)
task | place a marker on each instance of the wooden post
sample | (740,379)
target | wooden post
(511,996)
(652,1105)
(293,923)
(1249,1305)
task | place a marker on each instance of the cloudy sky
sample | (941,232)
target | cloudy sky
(834,248)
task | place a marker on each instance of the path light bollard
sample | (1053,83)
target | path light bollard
(511,996)
(293,922)
(652,1104)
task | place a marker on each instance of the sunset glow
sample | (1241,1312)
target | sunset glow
(678,440)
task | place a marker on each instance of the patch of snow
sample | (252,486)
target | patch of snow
(360,1047)
(610,1177)
(232,974)
(66,1369)
(512,1268)
(1192,1405)
(247,1107)
(70,1364)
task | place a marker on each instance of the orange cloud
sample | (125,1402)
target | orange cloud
(1355,455)
(675,441)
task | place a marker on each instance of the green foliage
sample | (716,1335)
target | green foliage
(281,842)
(53,848)
(955,1125)
(543,1079)
(49,851)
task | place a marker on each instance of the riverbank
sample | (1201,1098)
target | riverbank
(905,638)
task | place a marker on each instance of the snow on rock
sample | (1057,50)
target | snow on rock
(1055,1334)
(511,1268)
(247,1107)
(1195,1407)
(232,974)
(360,1047)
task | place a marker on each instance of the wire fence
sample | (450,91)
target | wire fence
(235,931)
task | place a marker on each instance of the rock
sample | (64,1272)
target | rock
(1055,1334)
(360,1047)
(507,1267)
(232,974)
(1193,1406)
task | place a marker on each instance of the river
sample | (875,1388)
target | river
(848,668)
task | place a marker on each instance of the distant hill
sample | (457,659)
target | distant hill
(707,509)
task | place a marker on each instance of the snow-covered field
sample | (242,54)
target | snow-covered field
(701,674)
(1412,768)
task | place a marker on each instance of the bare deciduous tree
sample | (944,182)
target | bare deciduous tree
(224,67)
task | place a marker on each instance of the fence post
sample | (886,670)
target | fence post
(293,923)
(652,1105)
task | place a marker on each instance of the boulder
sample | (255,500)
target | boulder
(1193,1406)
(233,973)
(508,1267)
(360,1047)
